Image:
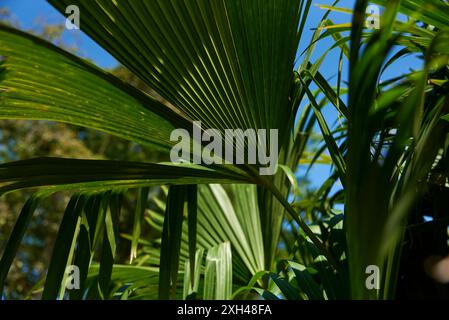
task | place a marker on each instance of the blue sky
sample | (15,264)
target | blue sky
(30,12)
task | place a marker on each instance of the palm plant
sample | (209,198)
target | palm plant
(229,64)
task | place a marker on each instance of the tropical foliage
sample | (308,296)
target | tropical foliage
(224,231)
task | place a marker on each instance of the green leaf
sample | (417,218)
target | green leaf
(291,178)
(290,292)
(236,221)
(433,12)
(226,63)
(142,204)
(306,283)
(171,241)
(333,97)
(330,141)
(225,214)
(103,175)
(140,282)
(218,274)
(111,223)
(192,213)
(248,288)
(192,275)
(90,219)
(61,251)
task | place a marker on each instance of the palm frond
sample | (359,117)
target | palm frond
(35,76)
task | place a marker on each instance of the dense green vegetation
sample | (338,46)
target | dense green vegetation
(141,227)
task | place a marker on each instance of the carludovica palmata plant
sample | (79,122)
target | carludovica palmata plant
(195,55)
(228,64)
